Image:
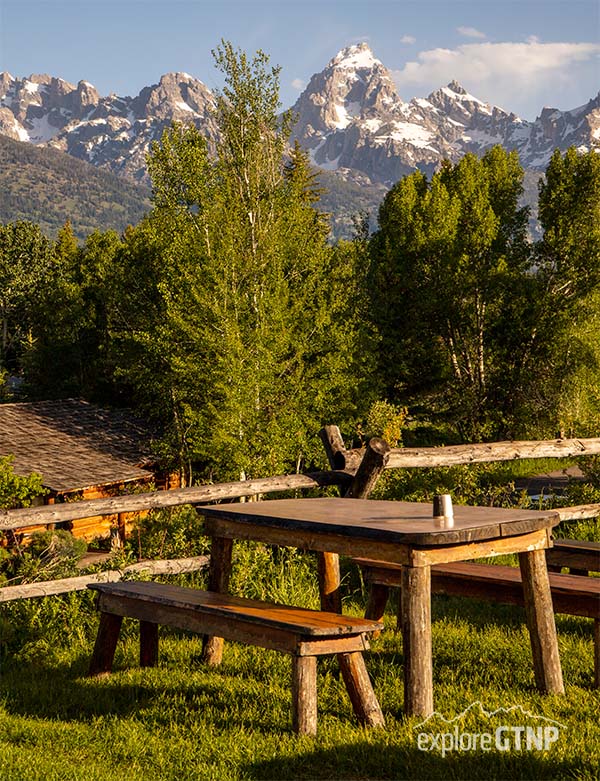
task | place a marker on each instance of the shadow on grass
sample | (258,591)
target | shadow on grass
(225,702)
(225,698)
(376,759)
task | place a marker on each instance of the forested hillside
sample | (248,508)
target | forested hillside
(49,187)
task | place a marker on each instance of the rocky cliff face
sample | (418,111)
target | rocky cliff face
(350,117)
(112,132)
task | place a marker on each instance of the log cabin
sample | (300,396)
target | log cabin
(82,451)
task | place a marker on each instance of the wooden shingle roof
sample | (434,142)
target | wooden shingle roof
(74,444)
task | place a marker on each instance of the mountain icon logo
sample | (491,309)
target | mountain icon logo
(506,736)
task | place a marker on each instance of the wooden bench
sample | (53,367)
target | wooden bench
(571,594)
(580,557)
(303,633)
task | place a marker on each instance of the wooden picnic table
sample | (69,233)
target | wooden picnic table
(405,533)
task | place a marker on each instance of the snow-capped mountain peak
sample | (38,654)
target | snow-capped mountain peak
(356,57)
(350,118)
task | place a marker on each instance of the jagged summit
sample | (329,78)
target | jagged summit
(350,118)
(457,88)
(358,56)
(110,132)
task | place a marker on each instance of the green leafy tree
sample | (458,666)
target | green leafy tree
(247,341)
(17,490)
(25,258)
(567,294)
(444,263)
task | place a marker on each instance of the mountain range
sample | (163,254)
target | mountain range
(350,117)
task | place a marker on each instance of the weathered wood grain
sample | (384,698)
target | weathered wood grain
(360,690)
(579,556)
(373,463)
(408,458)
(334,446)
(220,572)
(80,583)
(578,512)
(451,455)
(571,594)
(303,633)
(540,620)
(536,540)
(384,521)
(57,513)
(310,623)
(371,466)
(415,619)
(328,571)
(304,695)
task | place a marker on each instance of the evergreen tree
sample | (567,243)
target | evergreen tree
(71,346)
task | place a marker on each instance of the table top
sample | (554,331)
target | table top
(389,521)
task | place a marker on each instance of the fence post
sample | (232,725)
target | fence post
(373,462)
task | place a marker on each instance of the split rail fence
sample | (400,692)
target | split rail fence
(353,471)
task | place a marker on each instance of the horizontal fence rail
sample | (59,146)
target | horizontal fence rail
(493,451)
(156,500)
(49,588)
(455,455)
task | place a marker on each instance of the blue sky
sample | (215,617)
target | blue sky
(518,54)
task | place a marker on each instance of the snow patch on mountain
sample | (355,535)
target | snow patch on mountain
(351,119)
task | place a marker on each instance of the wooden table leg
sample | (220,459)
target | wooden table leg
(329,582)
(106,644)
(220,570)
(415,611)
(540,620)
(378,599)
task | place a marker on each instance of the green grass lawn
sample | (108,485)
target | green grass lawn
(183,720)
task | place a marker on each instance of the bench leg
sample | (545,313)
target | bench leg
(360,690)
(540,621)
(148,644)
(304,695)
(597,653)
(106,644)
(415,614)
(220,569)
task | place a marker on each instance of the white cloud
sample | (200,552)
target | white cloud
(470,32)
(298,84)
(520,77)
(408,39)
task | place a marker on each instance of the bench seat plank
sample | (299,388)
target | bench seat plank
(580,555)
(571,594)
(314,623)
